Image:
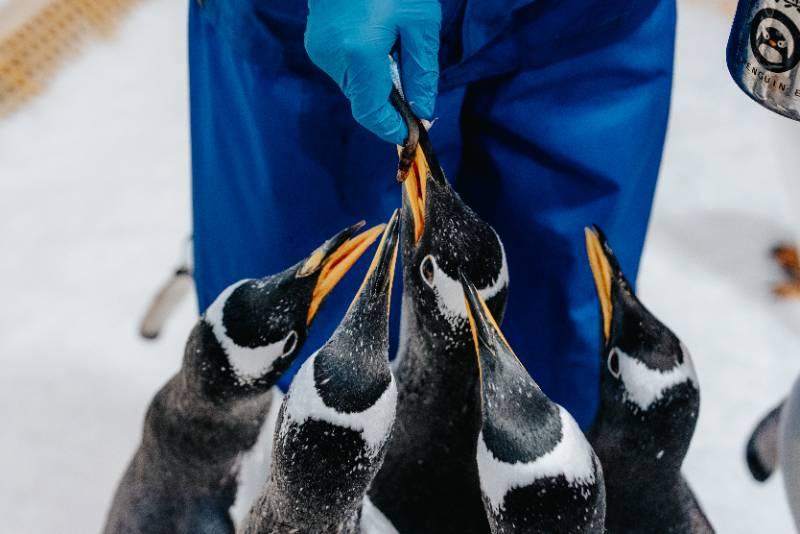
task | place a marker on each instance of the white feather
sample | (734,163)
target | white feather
(304,402)
(644,385)
(248,363)
(450,295)
(572,457)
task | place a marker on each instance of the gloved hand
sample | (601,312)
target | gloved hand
(351,40)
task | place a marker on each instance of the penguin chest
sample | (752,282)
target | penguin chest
(332,459)
(561,489)
(551,505)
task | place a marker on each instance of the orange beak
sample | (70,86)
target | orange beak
(602,272)
(415,187)
(334,264)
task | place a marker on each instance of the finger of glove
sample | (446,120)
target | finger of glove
(356,57)
(368,84)
(419,48)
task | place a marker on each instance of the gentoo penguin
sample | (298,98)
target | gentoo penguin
(776,442)
(538,473)
(762,447)
(789,450)
(649,402)
(429,480)
(183,477)
(335,420)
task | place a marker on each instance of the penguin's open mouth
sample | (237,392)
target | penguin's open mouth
(602,270)
(334,258)
(415,186)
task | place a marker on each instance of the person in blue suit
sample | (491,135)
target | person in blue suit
(550,115)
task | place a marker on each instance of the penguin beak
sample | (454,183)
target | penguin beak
(380,275)
(418,164)
(486,334)
(415,188)
(333,259)
(603,264)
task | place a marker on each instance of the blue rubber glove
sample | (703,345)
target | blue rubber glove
(351,39)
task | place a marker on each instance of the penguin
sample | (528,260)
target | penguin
(789,450)
(773,45)
(429,480)
(762,447)
(184,476)
(776,442)
(336,419)
(649,403)
(538,473)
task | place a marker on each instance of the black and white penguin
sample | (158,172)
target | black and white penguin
(773,45)
(336,419)
(649,402)
(184,476)
(429,480)
(538,473)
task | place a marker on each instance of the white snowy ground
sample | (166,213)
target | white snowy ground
(94,204)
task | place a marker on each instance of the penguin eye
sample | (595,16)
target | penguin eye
(426,269)
(290,344)
(613,363)
(781,44)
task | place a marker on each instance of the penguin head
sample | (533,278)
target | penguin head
(442,237)
(351,371)
(774,39)
(346,387)
(649,392)
(255,328)
(335,421)
(520,425)
(518,422)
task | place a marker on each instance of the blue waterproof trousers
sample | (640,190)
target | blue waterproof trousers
(551,116)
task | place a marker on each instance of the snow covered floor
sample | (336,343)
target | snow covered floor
(94,204)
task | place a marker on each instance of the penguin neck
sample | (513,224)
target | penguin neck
(630,454)
(643,507)
(445,377)
(184,429)
(186,419)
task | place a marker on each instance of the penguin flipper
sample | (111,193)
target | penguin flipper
(762,447)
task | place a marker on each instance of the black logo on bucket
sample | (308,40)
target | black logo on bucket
(774,40)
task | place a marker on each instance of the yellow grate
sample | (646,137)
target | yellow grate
(32,53)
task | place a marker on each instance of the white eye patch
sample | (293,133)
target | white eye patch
(248,363)
(450,294)
(645,386)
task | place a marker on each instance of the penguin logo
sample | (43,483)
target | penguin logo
(774,39)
